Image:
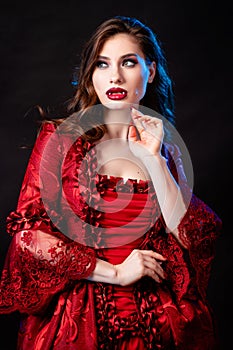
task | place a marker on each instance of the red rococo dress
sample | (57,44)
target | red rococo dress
(67,216)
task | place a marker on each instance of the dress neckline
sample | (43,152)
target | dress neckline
(123,179)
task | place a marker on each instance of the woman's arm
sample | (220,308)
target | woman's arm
(167,191)
(138,264)
(148,150)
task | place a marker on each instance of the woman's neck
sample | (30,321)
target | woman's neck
(117,123)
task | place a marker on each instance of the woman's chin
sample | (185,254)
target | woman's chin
(118,105)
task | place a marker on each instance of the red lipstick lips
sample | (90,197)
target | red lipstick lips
(116,93)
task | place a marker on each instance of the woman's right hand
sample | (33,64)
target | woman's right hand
(138,264)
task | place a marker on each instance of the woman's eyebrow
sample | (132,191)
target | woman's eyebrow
(124,56)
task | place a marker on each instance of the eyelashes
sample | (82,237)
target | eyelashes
(128,62)
(101,64)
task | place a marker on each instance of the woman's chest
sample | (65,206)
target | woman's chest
(114,158)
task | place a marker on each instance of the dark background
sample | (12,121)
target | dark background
(40,43)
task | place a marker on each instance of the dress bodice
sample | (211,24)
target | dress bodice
(128,210)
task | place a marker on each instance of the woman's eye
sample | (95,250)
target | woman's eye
(101,64)
(129,63)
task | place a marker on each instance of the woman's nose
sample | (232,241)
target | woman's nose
(116,76)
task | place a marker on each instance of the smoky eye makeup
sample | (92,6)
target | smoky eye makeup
(101,64)
(129,62)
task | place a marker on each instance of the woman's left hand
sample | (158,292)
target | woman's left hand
(148,140)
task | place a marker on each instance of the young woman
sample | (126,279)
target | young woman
(110,248)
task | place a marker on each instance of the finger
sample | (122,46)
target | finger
(138,124)
(153,254)
(155,127)
(132,135)
(146,119)
(145,123)
(155,266)
(153,275)
(154,120)
(136,113)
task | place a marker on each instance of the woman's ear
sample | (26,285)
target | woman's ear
(152,72)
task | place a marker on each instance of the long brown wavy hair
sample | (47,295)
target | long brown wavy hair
(159,94)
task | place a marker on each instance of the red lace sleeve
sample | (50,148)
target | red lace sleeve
(40,261)
(198,229)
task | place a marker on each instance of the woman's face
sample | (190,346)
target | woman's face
(121,73)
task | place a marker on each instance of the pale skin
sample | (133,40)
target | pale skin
(122,64)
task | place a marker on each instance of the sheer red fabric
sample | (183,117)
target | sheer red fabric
(61,225)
